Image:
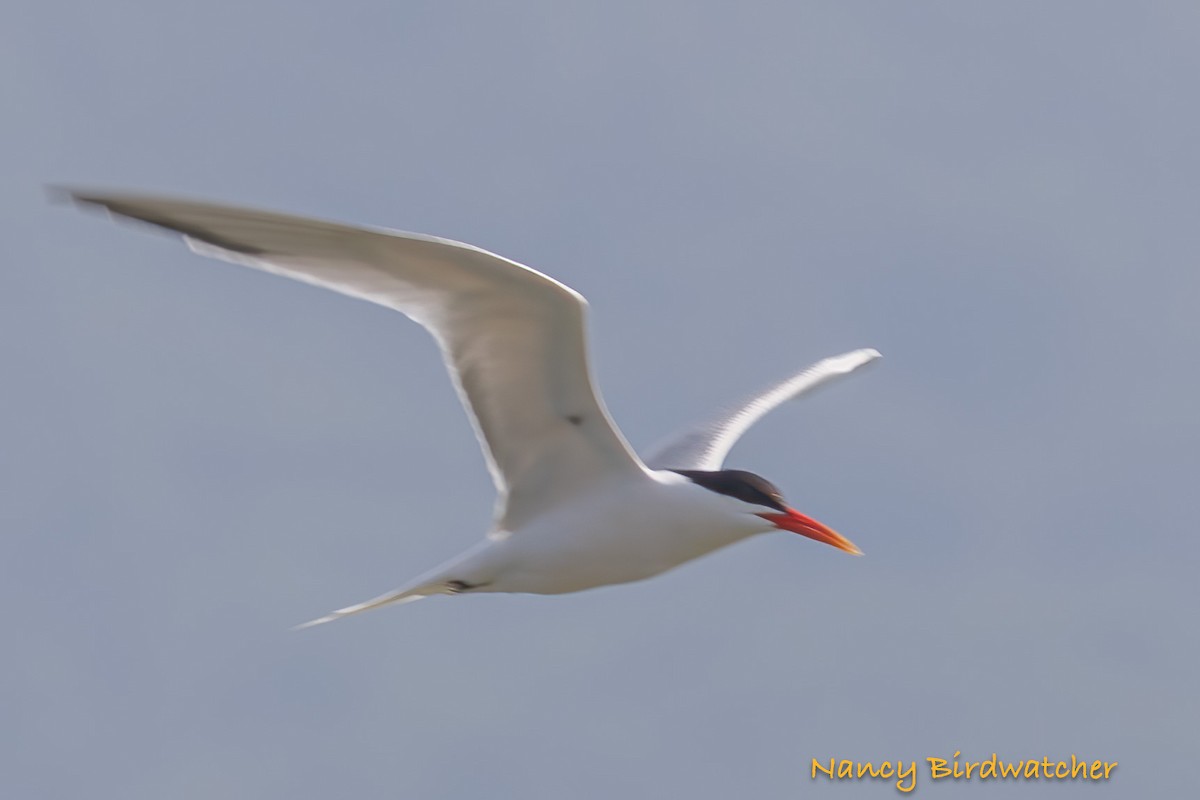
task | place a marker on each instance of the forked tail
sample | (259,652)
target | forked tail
(405,595)
(444,579)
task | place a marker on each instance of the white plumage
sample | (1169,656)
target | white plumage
(576,507)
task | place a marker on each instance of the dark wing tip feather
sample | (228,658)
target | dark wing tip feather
(141,212)
(84,198)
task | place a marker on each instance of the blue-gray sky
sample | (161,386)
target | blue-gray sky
(1000,197)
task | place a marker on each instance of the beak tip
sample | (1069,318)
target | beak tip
(792,520)
(847,546)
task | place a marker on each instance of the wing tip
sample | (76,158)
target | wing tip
(848,362)
(866,354)
(87,199)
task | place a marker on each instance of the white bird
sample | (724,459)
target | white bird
(576,507)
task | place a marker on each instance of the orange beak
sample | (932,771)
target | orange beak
(792,520)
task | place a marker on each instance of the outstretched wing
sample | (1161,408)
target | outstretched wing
(705,447)
(512,338)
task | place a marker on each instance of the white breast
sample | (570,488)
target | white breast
(620,533)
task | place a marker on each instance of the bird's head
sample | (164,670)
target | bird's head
(763,499)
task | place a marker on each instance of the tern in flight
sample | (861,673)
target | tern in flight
(576,507)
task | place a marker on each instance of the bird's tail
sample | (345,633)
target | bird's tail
(396,597)
(440,580)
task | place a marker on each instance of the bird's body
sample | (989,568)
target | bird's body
(577,507)
(618,533)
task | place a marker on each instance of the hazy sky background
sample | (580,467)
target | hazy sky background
(1000,197)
